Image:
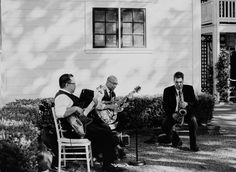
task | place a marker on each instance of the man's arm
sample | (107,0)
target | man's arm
(64,108)
(100,105)
(192,98)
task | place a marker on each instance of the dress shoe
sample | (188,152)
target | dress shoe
(194,148)
(177,145)
(152,140)
(121,154)
(111,168)
(55,169)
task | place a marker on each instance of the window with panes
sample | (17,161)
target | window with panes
(119,28)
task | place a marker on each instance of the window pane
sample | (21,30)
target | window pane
(111,28)
(138,41)
(99,15)
(138,16)
(99,28)
(112,15)
(111,41)
(126,15)
(127,40)
(127,28)
(99,40)
(138,28)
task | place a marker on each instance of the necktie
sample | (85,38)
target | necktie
(110,94)
(179,99)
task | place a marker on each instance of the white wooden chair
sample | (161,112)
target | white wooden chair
(79,149)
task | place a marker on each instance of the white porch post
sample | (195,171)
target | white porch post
(1,74)
(2,67)
(215,42)
(196,44)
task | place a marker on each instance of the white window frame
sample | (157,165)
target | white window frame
(88,39)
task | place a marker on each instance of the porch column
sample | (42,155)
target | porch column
(2,67)
(215,43)
(196,52)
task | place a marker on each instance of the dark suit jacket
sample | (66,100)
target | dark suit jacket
(169,99)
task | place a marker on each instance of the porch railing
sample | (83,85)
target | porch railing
(222,11)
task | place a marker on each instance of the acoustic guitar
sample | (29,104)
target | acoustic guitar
(110,116)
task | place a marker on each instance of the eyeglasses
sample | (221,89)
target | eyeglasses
(71,83)
(114,83)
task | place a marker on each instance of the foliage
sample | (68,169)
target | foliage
(14,158)
(142,112)
(45,121)
(18,124)
(204,108)
(222,69)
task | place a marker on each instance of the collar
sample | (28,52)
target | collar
(106,88)
(176,91)
(65,91)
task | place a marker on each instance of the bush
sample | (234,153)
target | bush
(14,158)
(222,69)
(142,112)
(204,108)
(18,122)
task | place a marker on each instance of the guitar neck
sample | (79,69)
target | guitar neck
(124,99)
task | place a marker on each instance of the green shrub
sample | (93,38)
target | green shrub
(19,124)
(204,108)
(14,159)
(45,121)
(142,112)
(222,70)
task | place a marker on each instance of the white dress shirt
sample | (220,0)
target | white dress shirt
(62,102)
(99,94)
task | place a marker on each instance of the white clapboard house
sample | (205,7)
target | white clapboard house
(142,42)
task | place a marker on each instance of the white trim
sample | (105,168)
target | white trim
(118,51)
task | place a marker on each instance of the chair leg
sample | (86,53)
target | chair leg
(87,158)
(64,156)
(59,158)
(91,155)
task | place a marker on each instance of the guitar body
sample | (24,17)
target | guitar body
(108,116)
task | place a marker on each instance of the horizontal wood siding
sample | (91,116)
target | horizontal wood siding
(44,39)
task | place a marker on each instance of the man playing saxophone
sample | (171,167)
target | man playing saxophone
(179,103)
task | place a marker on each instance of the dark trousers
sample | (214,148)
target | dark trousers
(102,140)
(169,122)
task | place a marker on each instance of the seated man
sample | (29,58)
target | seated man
(66,105)
(179,102)
(105,108)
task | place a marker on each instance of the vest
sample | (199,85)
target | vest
(76,102)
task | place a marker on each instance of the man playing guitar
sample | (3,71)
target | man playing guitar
(106,107)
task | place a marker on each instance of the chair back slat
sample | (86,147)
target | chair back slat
(57,124)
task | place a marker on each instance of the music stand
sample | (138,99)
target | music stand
(137,162)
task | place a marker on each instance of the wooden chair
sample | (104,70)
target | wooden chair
(72,149)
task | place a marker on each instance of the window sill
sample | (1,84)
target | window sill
(118,51)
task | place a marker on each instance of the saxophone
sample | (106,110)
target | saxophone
(181,110)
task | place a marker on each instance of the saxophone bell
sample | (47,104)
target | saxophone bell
(182,112)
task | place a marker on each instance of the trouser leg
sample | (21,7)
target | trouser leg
(167,127)
(102,141)
(192,125)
